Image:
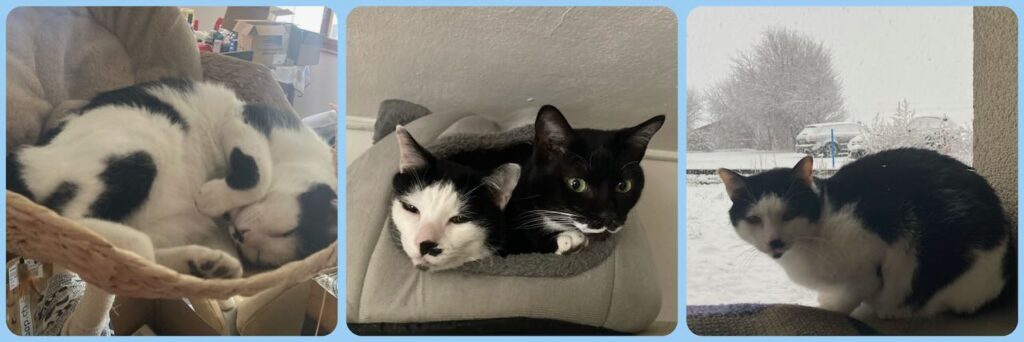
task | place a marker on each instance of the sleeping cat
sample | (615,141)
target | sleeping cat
(447,214)
(575,183)
(909,232)
(169,159)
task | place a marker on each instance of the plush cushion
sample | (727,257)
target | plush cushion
(619,293)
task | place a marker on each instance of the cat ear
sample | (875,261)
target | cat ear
(410,154)
(804,170)
(735,184)
(502,182)
(553,133)
(640,135)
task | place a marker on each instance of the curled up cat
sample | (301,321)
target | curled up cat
(907,232)
(186,174)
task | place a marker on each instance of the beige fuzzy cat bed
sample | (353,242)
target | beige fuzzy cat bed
(36,232)
(611,288)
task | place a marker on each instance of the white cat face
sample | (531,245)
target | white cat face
(435,231)
(766,226)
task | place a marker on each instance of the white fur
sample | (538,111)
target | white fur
(437,204)
(838,257)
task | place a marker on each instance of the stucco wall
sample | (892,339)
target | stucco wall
(604,67)
(995,100)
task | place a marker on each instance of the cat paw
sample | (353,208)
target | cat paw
(212,198)
(570,242)
(211,264)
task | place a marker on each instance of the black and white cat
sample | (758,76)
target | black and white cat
(447,214)
(908,232)
(575,183)
(169,159)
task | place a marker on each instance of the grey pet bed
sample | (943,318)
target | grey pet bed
(610,287)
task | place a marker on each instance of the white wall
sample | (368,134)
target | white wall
(605,67)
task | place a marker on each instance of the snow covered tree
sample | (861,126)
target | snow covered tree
(905,128)
(696,140)
(784,82)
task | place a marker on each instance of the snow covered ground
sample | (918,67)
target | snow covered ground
(720,267)
(754,159)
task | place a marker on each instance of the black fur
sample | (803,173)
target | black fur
(64,193)
(138,96)
(948,210)
(48,135)
(15,181)
(265,119)
(944,207)
(127,181)
(318,219)
(243,173)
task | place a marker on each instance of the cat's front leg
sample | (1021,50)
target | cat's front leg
(249,166)
(839,301)
(570,242)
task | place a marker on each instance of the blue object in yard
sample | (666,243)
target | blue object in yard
(834,146)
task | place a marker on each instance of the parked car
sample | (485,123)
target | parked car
(817,139)
(931,130)
(858,146)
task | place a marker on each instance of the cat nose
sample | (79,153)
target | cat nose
(239,234)
(776,244)
(429,248)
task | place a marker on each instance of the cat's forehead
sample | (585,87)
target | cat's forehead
(438,198)
(768,204)
(775,182)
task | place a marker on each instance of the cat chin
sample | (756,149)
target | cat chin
(587,230)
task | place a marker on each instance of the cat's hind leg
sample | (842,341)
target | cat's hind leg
(249,171)
(92,313)
(895,275)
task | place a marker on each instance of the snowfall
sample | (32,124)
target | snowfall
(720,267)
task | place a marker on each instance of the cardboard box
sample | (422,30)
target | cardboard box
(267,40)
(304,47)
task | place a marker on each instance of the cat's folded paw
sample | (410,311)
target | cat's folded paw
(211,263)
(570,242)
(212,198)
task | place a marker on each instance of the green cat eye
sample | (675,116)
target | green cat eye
(624,186)
(576,184)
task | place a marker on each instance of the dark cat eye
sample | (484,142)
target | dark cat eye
(458,219)
(753,219)
(409,207)
(624,186)
(577,184)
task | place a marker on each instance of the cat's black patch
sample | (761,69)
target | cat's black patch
(127,181)
(48,135)
(138,96)
(64,193)
(265,119)
(15,179)
(947,209)
(318,219)
(243,173)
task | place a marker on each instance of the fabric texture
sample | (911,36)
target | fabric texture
(63,290)
(57,58)
(620,293)
(771,320)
